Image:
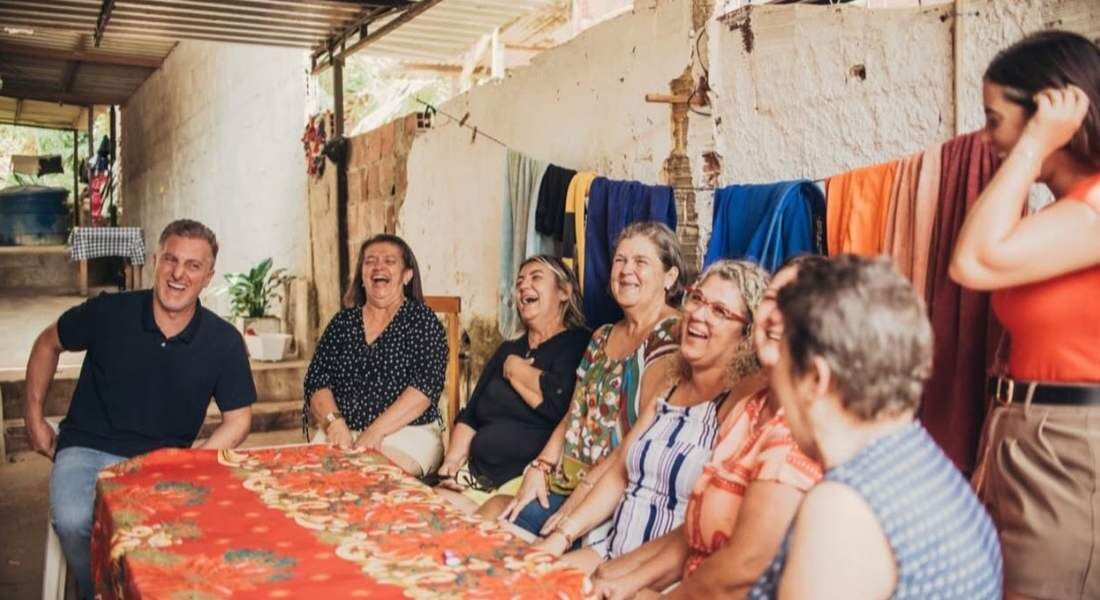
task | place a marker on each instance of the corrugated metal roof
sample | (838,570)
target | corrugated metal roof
(61,53)
(444,32)
(86,52)
(44,114)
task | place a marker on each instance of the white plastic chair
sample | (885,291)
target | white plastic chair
(55,568)
(53,575)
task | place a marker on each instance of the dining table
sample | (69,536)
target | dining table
(304,521)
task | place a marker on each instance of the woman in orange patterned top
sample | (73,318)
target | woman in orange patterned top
(1037,470)
(742,503)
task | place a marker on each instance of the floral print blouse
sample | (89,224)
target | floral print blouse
(605,401)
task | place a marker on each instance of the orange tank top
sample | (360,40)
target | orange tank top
(1055,324)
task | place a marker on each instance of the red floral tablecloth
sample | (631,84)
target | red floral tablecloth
(300,522)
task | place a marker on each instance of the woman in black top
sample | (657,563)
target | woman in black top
(376,377)
(524,390)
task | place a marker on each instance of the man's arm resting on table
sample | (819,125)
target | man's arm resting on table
(40,371)
(235,427)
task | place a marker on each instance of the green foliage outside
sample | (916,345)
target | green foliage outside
(34,141)
(377,91)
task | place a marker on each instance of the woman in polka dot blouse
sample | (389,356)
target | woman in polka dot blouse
(375,379)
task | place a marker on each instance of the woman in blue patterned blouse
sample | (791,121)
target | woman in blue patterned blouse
(892,518)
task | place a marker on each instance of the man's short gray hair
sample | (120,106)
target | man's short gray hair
(190,229)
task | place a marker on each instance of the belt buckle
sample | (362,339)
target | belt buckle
(1009,389)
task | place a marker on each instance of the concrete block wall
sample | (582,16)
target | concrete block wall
(377,167)
(581,105)
(214,135)
(797,91)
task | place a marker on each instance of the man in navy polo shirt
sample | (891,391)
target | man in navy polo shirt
(154,359)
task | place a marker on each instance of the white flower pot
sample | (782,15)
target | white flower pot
(258,325)
(268,346)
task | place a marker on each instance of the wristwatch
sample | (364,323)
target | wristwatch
(331,418)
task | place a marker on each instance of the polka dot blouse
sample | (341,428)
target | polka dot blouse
(367,378)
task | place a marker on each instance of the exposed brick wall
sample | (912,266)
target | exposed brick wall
(377,165)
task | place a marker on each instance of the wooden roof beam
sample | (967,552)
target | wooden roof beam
(409,14)
(94,57)
(61,98)
(69,77)
(101,22)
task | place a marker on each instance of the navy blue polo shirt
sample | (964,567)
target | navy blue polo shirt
(139,391)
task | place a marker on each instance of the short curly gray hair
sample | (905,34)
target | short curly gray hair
(868,323)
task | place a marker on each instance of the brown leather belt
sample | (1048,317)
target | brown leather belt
(1005,391)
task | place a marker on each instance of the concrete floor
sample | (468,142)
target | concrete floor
(24,501)
(23,315)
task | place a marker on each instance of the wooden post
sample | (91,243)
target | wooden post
(3,431)
(301,324)
(77,214)
(113,132)
(341,174)
(82,276)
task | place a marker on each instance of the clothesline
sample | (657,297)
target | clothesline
(462,122)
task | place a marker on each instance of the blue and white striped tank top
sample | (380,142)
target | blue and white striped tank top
(944,542)
(662,467)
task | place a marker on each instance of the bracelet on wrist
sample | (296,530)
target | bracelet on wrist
(561,528)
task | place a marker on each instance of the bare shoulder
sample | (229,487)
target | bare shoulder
(838,549)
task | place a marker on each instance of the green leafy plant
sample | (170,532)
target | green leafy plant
(251,293)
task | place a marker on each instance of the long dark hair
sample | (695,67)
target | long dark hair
(357,296)
(1054,59)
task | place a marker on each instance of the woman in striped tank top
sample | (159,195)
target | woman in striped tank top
(645,493)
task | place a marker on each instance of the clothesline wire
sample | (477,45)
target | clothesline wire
(461,122)
(477,131)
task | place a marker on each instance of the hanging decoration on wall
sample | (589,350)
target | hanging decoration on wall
(313,142)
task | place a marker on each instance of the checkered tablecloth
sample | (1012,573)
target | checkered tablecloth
(97,242)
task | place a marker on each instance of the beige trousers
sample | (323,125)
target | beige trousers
(422,443)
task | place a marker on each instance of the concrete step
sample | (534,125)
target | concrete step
(275,382)
(282,417)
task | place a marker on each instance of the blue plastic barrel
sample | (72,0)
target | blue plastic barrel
(32,215)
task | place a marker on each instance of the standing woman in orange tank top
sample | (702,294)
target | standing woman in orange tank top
(1039,467)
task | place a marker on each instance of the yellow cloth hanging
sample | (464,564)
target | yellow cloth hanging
(576,203)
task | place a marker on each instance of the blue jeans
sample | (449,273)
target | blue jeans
(534,516)
(72,495)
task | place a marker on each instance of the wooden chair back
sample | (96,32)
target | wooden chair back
(449,308)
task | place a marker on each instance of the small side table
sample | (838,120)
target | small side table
(97,242)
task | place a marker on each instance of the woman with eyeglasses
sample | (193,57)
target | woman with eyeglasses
(741,504)
(524,389)
(646,490)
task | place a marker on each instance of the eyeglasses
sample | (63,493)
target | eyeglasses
(694,298)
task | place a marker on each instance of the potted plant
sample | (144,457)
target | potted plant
(250,298)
